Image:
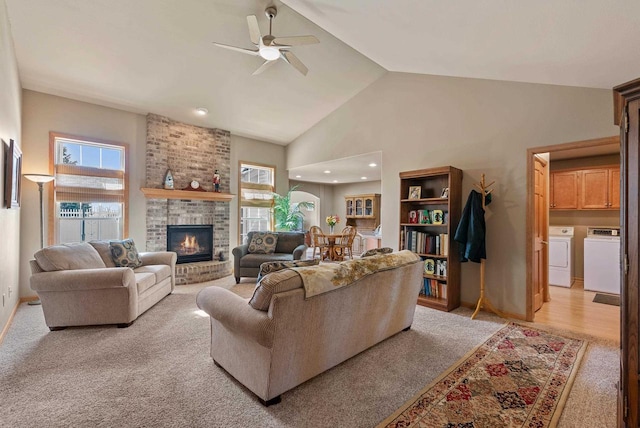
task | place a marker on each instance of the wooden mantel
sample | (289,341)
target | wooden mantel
(150,193)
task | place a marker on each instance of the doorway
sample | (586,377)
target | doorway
(567,306)
(311,214)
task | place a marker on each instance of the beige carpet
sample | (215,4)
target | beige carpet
(158,373)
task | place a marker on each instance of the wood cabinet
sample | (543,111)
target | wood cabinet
(614,188)
(350,209)
(363,211)
(363,206)
(564,190)
(585,189)
(427,227)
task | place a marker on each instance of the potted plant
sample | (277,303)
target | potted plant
(288,215)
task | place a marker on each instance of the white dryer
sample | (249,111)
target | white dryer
(561,260)
(602,259)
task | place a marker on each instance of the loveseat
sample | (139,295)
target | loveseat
(79,284)
(289,246)
(282,337)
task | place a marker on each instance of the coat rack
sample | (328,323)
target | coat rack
(483,301)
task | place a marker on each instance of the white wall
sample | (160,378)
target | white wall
(479,126)
(10,128)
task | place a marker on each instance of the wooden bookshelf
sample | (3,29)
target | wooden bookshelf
(443,290)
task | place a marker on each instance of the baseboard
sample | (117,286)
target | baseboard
(28,299)
(510,315)
(8,324)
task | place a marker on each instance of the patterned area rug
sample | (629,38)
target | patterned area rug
(520,377)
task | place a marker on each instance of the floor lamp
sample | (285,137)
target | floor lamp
(39,179)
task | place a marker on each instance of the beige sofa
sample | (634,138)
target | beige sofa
(79,284)
(279,339)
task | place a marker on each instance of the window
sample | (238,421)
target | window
(90,192)
(256,200)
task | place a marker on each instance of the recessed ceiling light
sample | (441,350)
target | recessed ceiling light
(372,164)
(327,171)
(363,178)
(201,111)
(298,176)
(335,181)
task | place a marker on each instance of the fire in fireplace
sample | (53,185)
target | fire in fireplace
(192,243)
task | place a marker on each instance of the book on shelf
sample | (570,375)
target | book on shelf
(426,243)
(434,288)
(444,244)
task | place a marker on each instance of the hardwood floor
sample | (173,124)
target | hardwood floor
(573,309)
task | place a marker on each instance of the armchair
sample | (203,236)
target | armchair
(290,246)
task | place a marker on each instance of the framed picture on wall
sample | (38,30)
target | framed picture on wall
(12,174)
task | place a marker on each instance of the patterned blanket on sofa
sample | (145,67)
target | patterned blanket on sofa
(330,276)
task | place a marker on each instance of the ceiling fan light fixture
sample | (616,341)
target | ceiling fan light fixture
(269,53)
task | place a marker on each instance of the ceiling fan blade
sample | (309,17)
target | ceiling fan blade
(296,40)
(295,62)
(254,29)
(234,48)
(264,66)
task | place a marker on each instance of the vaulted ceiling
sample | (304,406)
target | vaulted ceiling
(157,55)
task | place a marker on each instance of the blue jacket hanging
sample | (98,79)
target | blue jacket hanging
(471,229)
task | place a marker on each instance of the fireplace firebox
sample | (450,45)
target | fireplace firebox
(192,243)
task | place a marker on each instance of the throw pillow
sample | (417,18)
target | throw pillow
(125,254)
(268,267)
(263,242)
(376,251)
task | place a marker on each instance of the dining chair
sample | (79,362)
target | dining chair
(318,240)
(345,245)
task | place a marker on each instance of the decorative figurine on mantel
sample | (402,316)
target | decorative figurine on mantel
(168,180)
(216,181)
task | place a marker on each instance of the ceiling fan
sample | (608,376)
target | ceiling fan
(272,48)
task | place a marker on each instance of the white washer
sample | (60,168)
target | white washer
(561,265)
(602,260)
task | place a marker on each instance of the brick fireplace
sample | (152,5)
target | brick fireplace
(191,153)
(192,243)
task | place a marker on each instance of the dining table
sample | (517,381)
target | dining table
(332,253)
